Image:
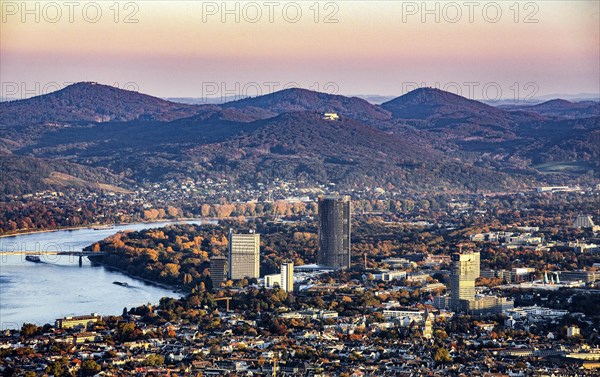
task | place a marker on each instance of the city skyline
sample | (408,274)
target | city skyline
(310,188)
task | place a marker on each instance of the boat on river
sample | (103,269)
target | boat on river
(33,258)
(103,227)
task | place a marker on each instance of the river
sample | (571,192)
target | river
(42,292)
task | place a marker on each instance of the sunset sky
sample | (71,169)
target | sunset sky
(186,49)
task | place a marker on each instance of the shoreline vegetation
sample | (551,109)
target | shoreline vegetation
(98,261)
(179,255)
(35,216)
(23,232)
(177,289)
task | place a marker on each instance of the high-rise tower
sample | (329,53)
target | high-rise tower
(287,277)
(218,270)
(244,255)
(464,271)
(334,231)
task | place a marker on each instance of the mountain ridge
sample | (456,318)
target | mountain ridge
(298,99)
(431,104)
(424,139)
(89,101)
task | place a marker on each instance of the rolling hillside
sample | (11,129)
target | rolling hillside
(426,139)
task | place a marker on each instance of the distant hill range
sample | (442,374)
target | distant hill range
(91,102)
(562,108)
(88,134)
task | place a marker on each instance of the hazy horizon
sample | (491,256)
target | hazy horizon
(372,98)
(487,50)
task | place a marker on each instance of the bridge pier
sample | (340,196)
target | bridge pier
(80,260)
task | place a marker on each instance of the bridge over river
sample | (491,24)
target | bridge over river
(79,254)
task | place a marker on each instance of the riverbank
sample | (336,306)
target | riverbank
(97,260)
(29,290)
(90,226)
(26,231)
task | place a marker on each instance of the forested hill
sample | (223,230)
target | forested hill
(424,140)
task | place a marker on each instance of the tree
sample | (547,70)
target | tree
(59,368)
(205,210)
(173,211)
(28,330)
(442,356)
(154,360)
(89,368)
(125,331)
(440,334)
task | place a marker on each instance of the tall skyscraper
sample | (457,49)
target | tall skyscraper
(287,276)
(244,255)
(334,231)
(464,271)
(218,270)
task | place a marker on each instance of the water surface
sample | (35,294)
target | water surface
(42,292)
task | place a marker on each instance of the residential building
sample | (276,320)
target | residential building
(391,275)
(583,247)
(535,313)
(77,321)
(504,275)
(573,331)
(399,263)
(412,315)
(489,304)
(435,260)
(272,281)
(583,221)
(84,337)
